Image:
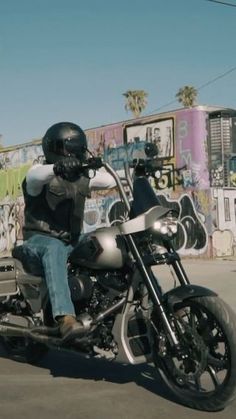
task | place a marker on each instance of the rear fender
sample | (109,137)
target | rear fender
(184,292)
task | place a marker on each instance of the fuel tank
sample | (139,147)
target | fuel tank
(103,248)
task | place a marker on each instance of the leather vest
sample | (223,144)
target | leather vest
(58,210)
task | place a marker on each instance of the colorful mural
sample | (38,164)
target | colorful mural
(14,164)
(11,221)
(159,132)
(207,216)
(106,137)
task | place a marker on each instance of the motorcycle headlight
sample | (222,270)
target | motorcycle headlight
(167,226)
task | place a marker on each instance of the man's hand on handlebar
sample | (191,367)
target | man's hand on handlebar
(94,163)
(146,167)
(70,168)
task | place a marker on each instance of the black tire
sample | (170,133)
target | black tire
(206,378)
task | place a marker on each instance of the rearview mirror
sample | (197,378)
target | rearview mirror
(151,150)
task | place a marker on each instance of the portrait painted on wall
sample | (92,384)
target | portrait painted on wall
(159,132)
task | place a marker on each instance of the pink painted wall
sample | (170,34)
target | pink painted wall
(191,145)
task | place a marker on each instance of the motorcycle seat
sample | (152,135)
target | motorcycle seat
(25,270)
(24,277)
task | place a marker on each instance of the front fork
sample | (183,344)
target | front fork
(153,287)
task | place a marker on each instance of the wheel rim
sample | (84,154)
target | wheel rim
(204,365)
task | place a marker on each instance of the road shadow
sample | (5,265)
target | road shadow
(71,365)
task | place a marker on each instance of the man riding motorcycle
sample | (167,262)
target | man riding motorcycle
(114,307)
(54,195)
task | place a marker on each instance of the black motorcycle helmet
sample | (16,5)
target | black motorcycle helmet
(64,139)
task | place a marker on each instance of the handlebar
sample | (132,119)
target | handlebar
(93,163)
(141,167)
(146,167)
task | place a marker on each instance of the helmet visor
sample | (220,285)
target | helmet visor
(75,148)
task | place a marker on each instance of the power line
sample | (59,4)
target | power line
(217,78)
(225,3)
(211,81)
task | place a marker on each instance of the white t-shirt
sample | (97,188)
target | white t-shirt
(39,175)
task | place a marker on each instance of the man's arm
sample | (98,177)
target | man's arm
(102,180)
(38,176)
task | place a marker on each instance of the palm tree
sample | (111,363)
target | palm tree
(136,101)
(187,96)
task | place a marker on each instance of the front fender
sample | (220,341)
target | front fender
(184,292)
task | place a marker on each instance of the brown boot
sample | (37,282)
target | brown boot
(70,328)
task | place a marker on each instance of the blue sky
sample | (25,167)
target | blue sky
(73,59)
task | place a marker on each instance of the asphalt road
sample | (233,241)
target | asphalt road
(66,386)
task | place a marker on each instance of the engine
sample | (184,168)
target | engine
(81,287)
(95,295)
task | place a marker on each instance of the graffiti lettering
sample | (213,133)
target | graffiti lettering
(169,177)
(182,129)
(117,156)
(10,181)
(191,239)
(185,153)
(11,221)
(192,236)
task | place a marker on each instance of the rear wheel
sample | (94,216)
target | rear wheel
(202,374)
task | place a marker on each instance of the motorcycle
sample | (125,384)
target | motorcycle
(188,333)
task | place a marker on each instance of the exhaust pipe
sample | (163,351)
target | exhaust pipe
(10,330)
(49,335)
(37,333)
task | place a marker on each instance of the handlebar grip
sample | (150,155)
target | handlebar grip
(94,163)
(147,166)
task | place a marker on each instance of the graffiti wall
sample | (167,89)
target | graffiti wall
(207,216)
(191,147)
(159,132)
(181,182)
(14,164)
(106,137)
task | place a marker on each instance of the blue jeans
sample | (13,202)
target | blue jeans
(49,258)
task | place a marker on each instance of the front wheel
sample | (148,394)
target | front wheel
(202,373)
